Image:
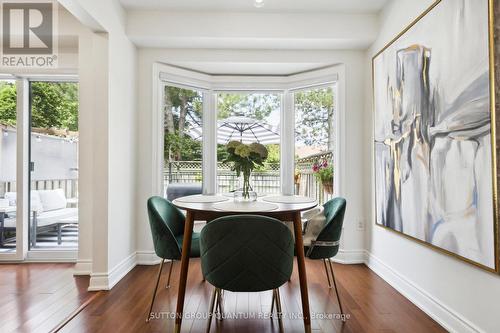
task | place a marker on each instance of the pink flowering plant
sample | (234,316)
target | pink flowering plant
(323,171)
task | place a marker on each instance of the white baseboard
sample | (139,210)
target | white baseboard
(83,267)
(350,257)
(106,281)
(51,256)
(438,311)
(147,258)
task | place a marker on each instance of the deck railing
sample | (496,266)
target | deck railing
(264,180)
(70,186)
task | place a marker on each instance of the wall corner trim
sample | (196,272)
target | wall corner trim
(107,280)
(350,257)
(83,267)
(147,258)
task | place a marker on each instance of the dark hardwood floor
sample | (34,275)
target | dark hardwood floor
(373,306)
(37,297)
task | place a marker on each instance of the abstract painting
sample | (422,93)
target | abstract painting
(434,177)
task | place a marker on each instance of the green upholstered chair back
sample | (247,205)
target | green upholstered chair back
(166,222)
(246,253)
(334,213)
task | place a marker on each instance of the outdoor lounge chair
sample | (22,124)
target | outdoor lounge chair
(48,210)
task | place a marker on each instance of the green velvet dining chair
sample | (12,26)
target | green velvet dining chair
(246,253)
(167,228)
(326,245)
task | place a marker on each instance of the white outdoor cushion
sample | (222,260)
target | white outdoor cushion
(12,197)
(55,216)
(9,222)
(52,199)
(36,204)
(4,202)
(47,218)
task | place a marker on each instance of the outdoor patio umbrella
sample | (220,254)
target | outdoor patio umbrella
(243,129)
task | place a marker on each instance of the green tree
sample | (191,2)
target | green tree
(8,103)
(273,153)
(256,106)
(182,108)
(314,117)
(54,104)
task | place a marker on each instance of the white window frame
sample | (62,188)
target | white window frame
(212,84)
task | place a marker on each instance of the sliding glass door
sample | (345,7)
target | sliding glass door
(53,203)
(8,153)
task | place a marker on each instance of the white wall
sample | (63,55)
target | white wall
(108,92)
(354,66)
(458,295)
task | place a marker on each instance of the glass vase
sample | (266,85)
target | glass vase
(241,196)
(246,194)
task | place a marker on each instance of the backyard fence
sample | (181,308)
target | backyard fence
(264,180)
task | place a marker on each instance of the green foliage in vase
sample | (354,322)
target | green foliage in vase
(245,158)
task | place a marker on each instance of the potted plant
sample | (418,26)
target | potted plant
(244,159)
(324,174)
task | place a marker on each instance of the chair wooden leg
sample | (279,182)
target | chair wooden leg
(210,314)
(327,275)
(170,273)
(272,303)
(221,304)
(278,309)
(336,288)
(154,292)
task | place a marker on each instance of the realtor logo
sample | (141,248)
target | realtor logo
(28,34)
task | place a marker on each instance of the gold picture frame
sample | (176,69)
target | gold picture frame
(493,55)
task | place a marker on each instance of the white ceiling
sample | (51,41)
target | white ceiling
(302,6)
